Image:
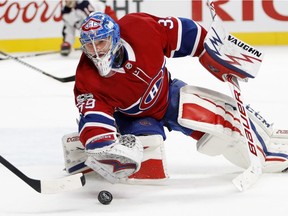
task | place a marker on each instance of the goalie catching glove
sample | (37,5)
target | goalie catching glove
(116,161)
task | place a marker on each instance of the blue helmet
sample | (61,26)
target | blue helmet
(96,27)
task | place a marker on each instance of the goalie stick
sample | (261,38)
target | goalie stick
(30,55)
(61,79)
(35,54)
(47,186)
(254,171)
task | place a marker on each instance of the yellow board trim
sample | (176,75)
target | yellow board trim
(47,44)
(33,45)
(263,38)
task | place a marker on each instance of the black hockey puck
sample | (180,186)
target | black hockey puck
(105,197)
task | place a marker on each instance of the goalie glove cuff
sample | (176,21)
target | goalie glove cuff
(217,69)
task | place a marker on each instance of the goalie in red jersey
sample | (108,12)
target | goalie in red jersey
(126,96)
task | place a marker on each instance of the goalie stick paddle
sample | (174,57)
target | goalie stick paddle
(60,79)
(254,171)
(67,183)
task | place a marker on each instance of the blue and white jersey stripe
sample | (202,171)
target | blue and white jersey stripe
(188,38)
(96,119)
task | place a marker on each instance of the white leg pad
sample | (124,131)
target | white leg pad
(153,166)
(211,145)
(235,152)
(271,143)
(74,154)
(209,111)
(272,147)
(213,113)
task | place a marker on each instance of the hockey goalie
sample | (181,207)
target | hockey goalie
(126,96)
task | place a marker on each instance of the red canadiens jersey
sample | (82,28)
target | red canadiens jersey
(140,88)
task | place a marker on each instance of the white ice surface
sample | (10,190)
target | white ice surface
(36,111)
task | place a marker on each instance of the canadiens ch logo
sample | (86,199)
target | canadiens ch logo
(91,24)
(153,91)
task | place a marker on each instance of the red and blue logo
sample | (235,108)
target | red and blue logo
(153,91)
(92,24)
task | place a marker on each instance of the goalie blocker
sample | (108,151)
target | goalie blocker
(225,54)
(215,114)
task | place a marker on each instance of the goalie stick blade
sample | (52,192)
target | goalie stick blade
(63,184)
(47,186)
(246,179)
(64,79)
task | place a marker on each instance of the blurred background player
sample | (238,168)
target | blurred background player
(73,14)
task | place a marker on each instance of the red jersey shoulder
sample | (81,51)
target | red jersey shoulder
(150,31)
(147,20)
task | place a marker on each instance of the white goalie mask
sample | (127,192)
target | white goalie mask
(100,39)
